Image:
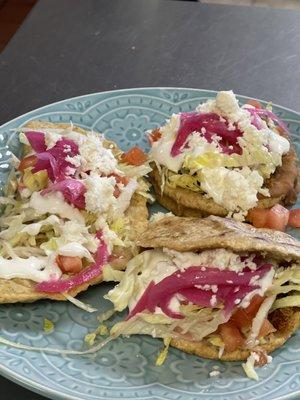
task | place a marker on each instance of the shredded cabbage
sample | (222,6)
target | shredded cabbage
(80,304)
(90,338)
(135,171)
(288,301)
(186,181)
(92,350)
(259,319)
(287,281)
(110,274)
(249,367)
(35,181)
(161,358)
(48,326)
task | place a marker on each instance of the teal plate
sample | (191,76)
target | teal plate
(125,369)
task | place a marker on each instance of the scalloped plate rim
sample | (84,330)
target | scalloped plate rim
(55,394)
(140,88)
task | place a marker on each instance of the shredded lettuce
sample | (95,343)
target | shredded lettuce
(134,171)
(35,181)
(48,325)
(22,346)
(287,281)
(186,181)
(161,358)
(121,294)
(80,304)
(249,367)
(288,301)
(216,340)
(90,338)
(110,274)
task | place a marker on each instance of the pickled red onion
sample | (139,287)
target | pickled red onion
(232,287)
(54,159)
(211,124)
(267,113)
(72,190)
(84,276)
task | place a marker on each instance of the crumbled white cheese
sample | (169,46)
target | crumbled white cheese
(228,104)
(236,190)
(214,374)
(213,300)
(93,155)
(216,258)
(198,145)
(75,160)
(174,305)
(99,194)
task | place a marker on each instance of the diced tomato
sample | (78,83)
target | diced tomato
(254,305)
(254,103)
(266,328)
(277,218)
(117,192)
(294,218)
(134,156)
(241,318)
(154,136)
(69,264)
(27,162)
(231,336)
(258,217)
(280,130)
(119,179)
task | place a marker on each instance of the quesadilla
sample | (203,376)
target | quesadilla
(223,159)
(71,214)
(214,287)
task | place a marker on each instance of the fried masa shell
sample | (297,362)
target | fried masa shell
(23,290)
(192,234)
(282,186)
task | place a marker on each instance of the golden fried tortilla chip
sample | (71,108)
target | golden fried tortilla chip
(23,290)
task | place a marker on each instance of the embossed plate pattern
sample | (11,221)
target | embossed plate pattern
(125,369)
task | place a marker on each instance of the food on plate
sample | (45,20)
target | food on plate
(277,217)
(223,159)
(73,207)
(214,287)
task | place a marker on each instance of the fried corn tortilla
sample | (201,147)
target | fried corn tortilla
(192,234)
(23,290)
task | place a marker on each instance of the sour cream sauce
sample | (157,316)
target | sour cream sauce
(37,269)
